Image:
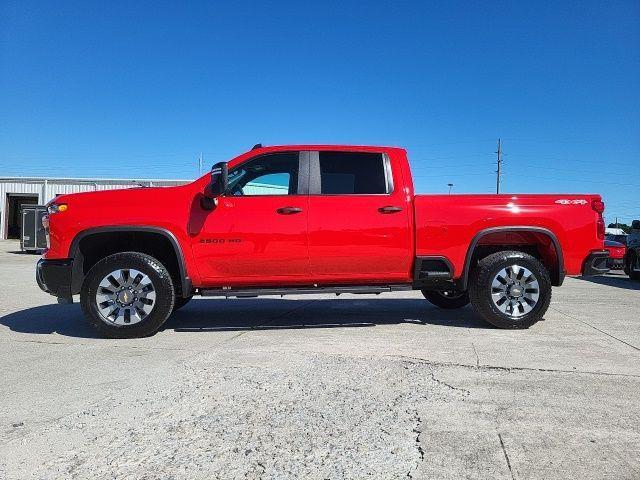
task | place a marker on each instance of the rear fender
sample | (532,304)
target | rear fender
(543,239)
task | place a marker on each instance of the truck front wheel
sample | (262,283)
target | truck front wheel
(447,299)
(510,289)
(127,295)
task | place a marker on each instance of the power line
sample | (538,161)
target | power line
(564,179)
(570,141)
(571,160)
(537,167)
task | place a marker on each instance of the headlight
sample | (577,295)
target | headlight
(57,207)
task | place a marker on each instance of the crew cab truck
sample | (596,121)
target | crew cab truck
(313,219)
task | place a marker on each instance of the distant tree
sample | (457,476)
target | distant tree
(623,226)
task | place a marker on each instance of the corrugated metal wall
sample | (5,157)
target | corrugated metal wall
(47,189)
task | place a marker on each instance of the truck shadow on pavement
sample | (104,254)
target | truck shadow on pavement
(618,281)
(257,314)
(270,314)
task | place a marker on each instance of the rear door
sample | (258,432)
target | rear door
(359,219)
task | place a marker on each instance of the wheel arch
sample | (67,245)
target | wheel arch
(155,241)
(520,237)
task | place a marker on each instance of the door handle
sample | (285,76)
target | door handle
(390,209)
(288,210)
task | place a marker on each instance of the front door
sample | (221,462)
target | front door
(257,234)
(359,223)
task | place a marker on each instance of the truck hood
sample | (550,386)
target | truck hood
(103,198)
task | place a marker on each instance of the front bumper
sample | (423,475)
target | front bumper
(54,276)
(596,263)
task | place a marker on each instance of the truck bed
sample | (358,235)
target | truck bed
(447,225)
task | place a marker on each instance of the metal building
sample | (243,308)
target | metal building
(18,191)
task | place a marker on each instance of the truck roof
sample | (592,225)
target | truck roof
(275,148)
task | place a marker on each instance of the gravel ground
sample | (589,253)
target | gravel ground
(318,387)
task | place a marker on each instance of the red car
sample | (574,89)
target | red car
(314,219)
(617,252)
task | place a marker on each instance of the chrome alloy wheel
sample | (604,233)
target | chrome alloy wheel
(125,297)
(515,291)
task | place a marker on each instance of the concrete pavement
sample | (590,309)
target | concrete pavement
(319,387)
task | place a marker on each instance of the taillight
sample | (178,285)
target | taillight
(598,207)
(600,229)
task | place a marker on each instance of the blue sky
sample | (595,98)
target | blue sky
(138,89)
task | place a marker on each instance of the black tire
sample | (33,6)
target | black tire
(447,299)
(480,289)
(632,259)
(627,262)
(163,288)
(181,302)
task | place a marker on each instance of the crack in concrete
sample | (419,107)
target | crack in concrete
(595,328)
(107,342)
(508,369)
(47,342)
(476,354)
(416,429)
(441,382)
(506,457)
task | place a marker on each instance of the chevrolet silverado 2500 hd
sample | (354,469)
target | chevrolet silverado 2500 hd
(313,219)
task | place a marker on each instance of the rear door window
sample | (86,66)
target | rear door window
(353,173)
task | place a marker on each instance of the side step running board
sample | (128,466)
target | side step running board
(338,290)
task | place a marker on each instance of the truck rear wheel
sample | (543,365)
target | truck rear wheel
(447,299)
(510,289)
(127,295)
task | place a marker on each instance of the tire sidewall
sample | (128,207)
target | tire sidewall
(148,265)
(482,283)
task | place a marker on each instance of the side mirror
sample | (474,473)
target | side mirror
(219,179)
(217,186)
(635,225)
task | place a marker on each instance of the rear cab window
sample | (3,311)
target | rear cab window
(354,173)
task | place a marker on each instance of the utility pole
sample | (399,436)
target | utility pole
(200,164)
(499,171)
(450,186)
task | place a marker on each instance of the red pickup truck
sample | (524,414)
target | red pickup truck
(313,219)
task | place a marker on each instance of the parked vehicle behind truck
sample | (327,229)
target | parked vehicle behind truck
(314,219)
(617,252)
(632,256)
